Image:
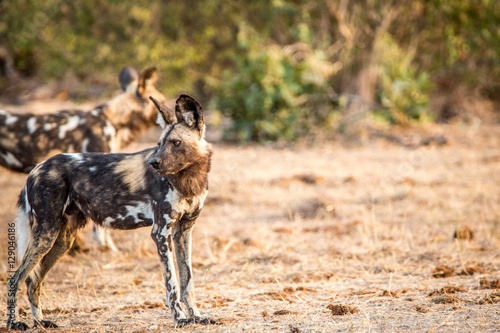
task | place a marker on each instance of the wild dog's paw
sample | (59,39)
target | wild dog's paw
(45,324)
(183,322)
(195,320)
(18,326)
(205,321)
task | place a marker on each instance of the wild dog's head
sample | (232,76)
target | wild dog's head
(132,107)
(182,143)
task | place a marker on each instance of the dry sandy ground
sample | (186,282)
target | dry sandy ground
(323,238)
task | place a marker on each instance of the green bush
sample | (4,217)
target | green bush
(403,90)
(271,93)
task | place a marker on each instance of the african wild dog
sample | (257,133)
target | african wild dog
(28,139)
(163,187)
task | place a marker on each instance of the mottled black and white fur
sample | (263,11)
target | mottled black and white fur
(27,139)
(163,187)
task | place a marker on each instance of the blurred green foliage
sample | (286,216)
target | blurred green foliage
(267,95)
(403,90)
(240,54)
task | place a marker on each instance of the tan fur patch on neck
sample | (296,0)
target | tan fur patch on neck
(132,170)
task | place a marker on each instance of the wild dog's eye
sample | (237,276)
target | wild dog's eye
(176,142)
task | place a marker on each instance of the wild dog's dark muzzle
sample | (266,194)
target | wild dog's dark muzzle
(155,163)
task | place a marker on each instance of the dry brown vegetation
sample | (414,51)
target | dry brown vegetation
(319,238)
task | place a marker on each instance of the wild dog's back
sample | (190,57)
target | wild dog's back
(28,139)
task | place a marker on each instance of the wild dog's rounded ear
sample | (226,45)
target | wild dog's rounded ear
(189,111)
(148,78)
(128,76)
(166,116)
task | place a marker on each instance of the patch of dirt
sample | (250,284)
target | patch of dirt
(308,179)
(314,208)
(472,269)
(145,305)
(393,293)
(307,277)
(23,313)
(218,302)
(421,309)
(274,295)
(342,310)
(446,299)
(335,229)
(273,259)
(442,271)
(448,290)
(4,277)
(492,298)
(283,230)
(298,289)
(282,312)
(486,283)
(59,311)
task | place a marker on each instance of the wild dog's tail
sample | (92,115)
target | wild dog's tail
(23,225)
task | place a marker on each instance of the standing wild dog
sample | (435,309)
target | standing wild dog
(163,187)
(28,139)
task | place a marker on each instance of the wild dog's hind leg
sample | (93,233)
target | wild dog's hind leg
(40,241)
(63,243)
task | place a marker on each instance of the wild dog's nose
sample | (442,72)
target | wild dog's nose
(155,163)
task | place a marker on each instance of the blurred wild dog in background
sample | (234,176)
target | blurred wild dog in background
(27,139)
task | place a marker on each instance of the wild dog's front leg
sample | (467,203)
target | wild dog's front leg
(182,244)
(162,235)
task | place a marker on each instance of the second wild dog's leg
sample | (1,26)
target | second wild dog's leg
(34,281)
(103,238)
(162,235)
